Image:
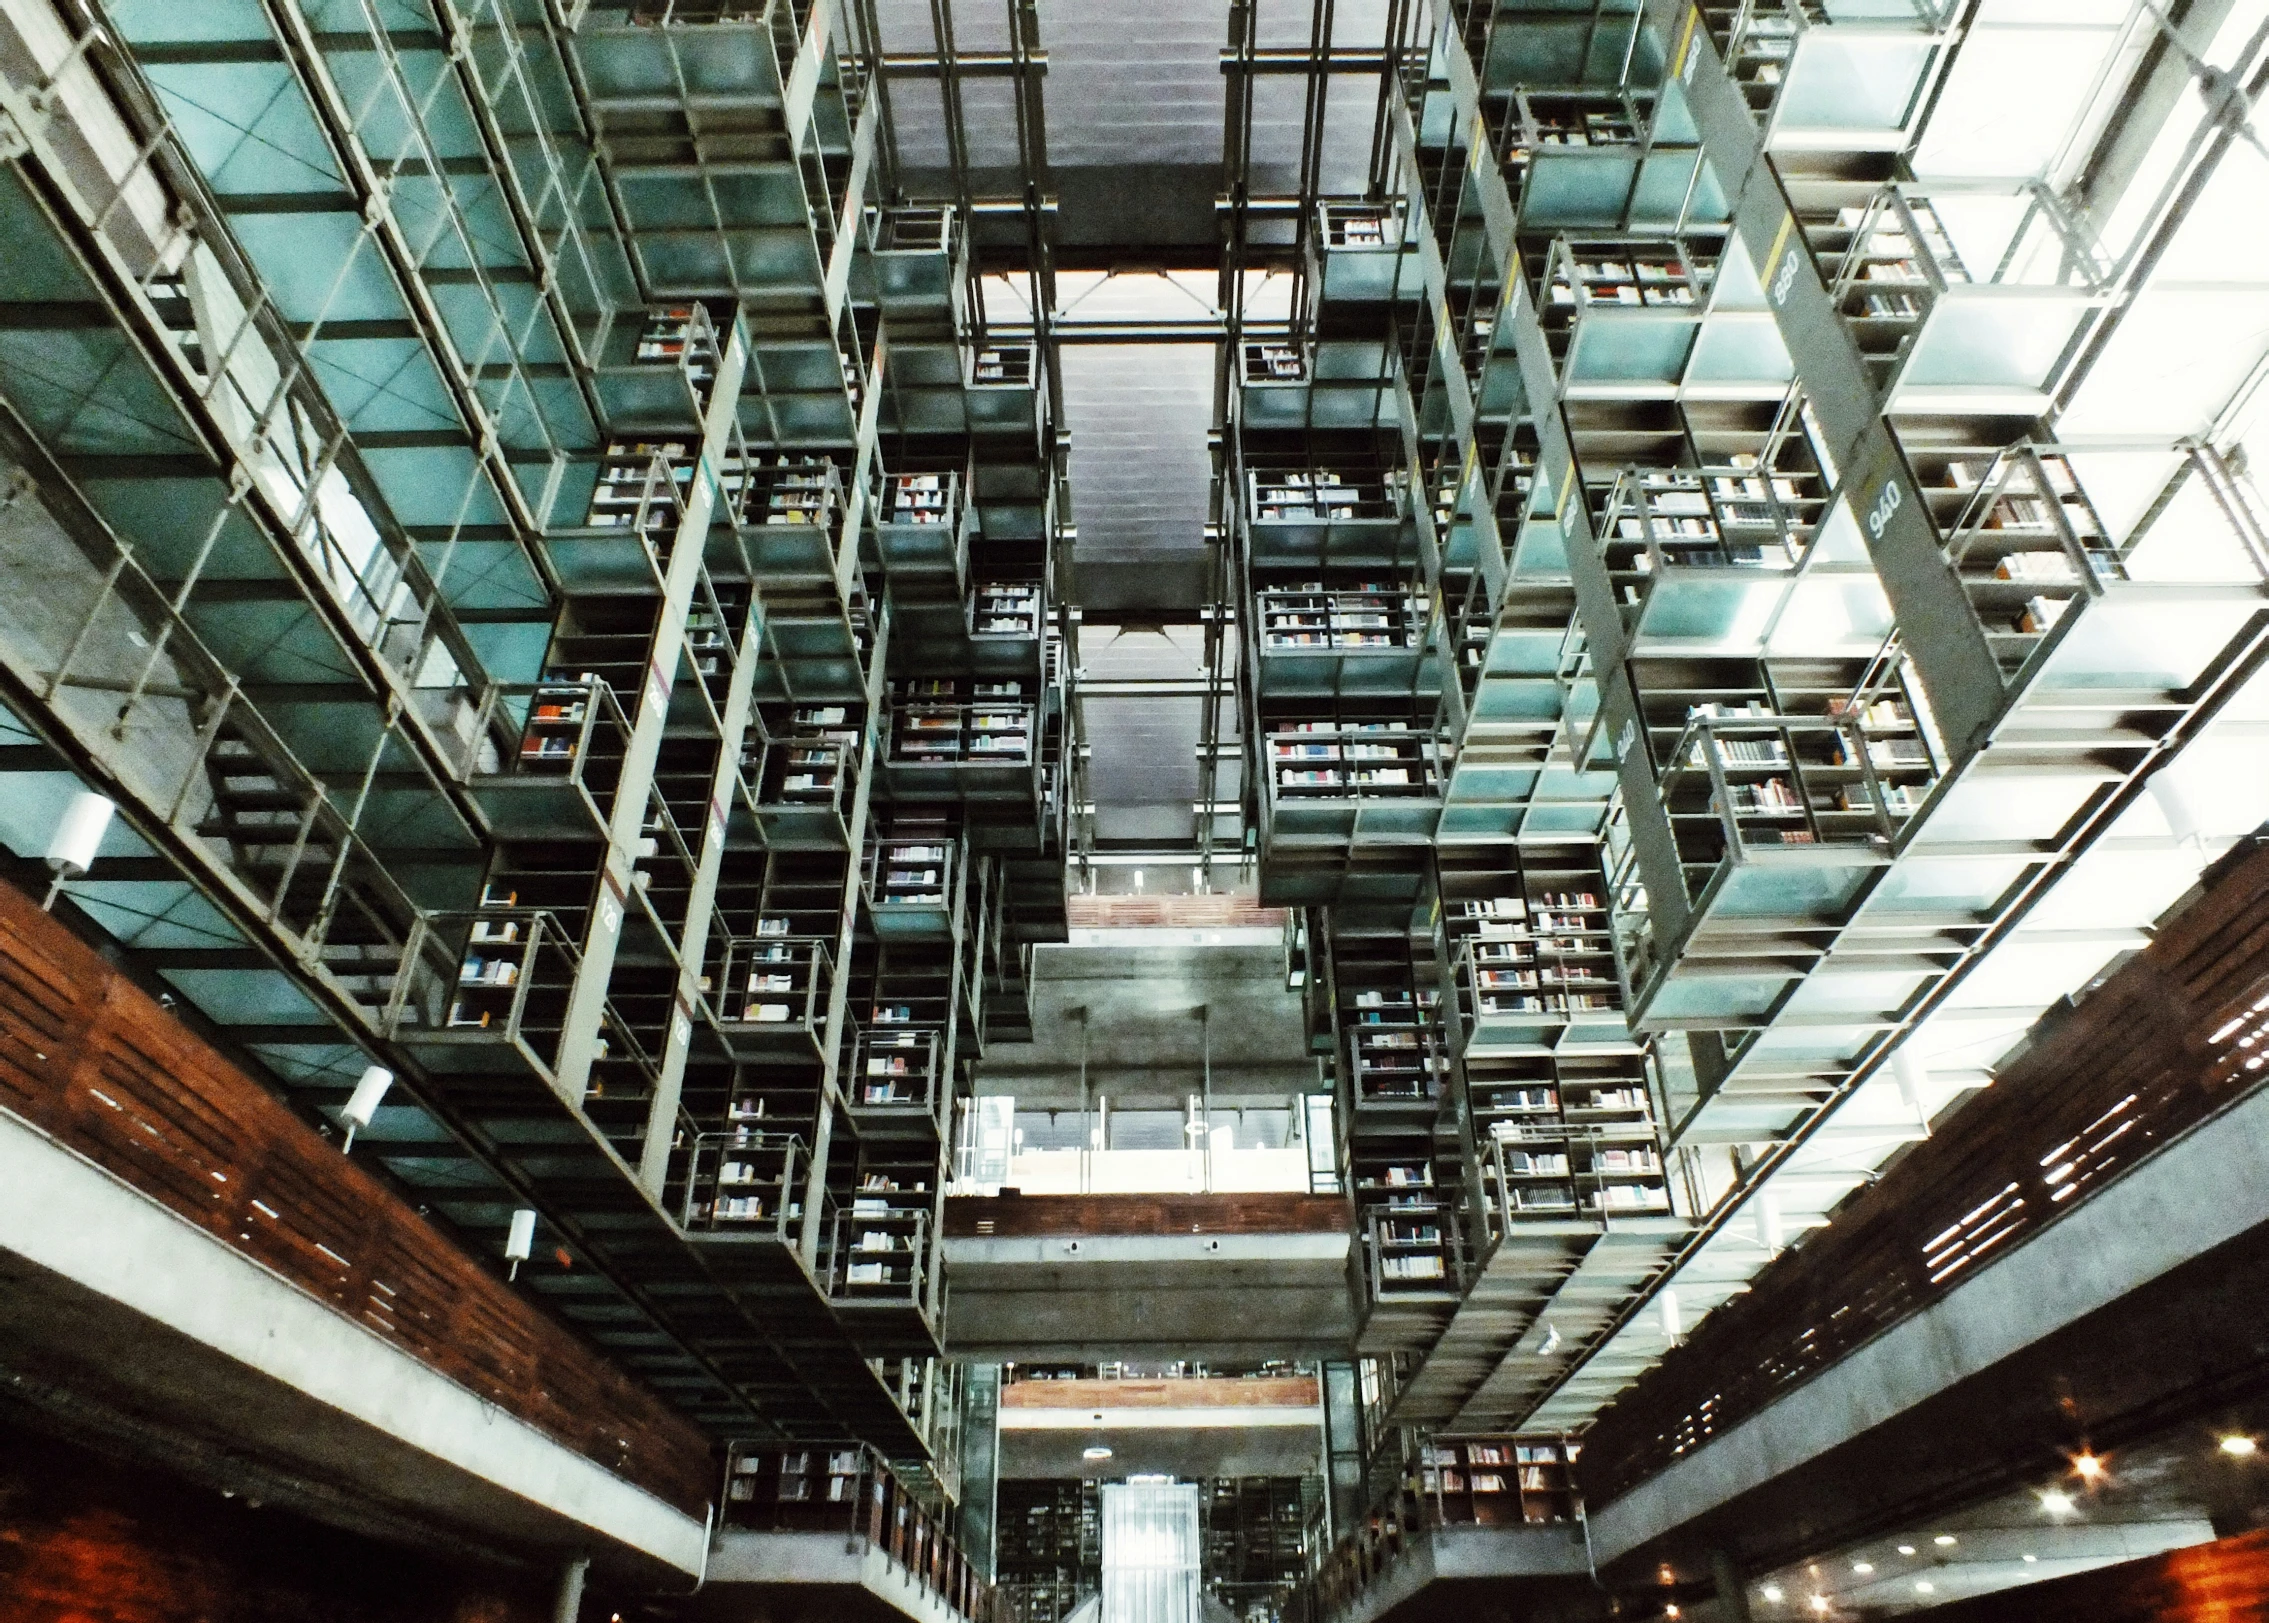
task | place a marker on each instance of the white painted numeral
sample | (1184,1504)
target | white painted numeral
(1888,502)
(1785,278)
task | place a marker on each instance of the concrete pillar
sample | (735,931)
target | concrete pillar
(1732,1597)
(569,1601)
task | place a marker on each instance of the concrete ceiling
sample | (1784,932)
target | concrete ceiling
(1134,104)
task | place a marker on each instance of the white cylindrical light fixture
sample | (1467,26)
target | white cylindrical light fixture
(2176,804)
(362,1104)
(79,835)
(520,1239)
(1908,1070)
(1673,1323)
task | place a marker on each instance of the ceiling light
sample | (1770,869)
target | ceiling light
(1819,1603)
(2028,1559)
(1943,1539)
(2087,1466)
(1771,1591)
(1098,1452)
(1923,1586)
(2056,1502)
(1863,1566)
(1906,1549)
(1670,1611)
(2240,1446)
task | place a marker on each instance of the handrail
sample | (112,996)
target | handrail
(1701,749)
(849,1490)
(729,1189)
(2094,1095)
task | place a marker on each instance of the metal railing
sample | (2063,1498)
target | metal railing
(772,991)
(1766,792)
(1356,763)
(1426,1258)
(571,731)
(1526,1172)
(2091,1098)
(847,1489)
(875,1253)
(894,1073)
(502,977)
(1523,980)
(742,1180)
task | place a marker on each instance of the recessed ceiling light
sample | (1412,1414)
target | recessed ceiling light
(1096,1453)
(2029,1559)
(1771,1591)
(1906,1549)
(1863,1566)
(1943,1539)
(2056,1502)
(1923,1586)
(2240,1446)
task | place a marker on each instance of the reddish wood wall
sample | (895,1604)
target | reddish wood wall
(89,1058)
(2169,1039)
(1120,1216)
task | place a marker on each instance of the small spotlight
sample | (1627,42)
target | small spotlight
(1943,1539)
(1771,1591)
(2056,1502)
(2240,1447)
(1863,1566)
(2088,1467)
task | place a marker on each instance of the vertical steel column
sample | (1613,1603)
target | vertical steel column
(634,791)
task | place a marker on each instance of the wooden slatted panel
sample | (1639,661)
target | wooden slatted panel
(2176,1034)
(88,1058)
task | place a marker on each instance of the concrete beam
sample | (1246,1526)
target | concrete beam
(839,1577)
(104,1290)
(2206,1189)
(1450,1570)
(1217,1296)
